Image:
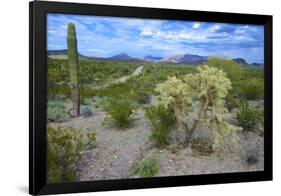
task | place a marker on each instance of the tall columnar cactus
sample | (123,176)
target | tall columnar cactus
(73,69)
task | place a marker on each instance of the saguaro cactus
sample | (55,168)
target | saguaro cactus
(73,69)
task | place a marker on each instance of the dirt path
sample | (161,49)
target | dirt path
(137,72)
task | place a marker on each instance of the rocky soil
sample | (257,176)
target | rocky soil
(117,151)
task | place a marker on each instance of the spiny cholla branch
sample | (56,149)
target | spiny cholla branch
(210,85)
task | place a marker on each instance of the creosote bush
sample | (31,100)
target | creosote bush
(120,108)
(148,167)
(248,118)
(63,150)
(230,67)
(57,112)
(210,86)
(162,120)
(252,88)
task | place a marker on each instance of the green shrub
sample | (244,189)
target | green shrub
(249,118)
(88,101)
(148,167)
(86,111)
(86,92)
(162,120)
(91,140)
(120,109)
(230,67)
(63,149)
(56,112)
(58,91)
(252,88)
(142,97)
(101,103)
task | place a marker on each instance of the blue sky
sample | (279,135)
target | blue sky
(107,36)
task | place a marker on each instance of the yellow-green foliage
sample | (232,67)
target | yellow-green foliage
(174,94)
(249,118)
(230,67)
(252,88)
(63,149)
(120,108)
(162,120)
(210,85)
(233,70)
(223,132)
(209,82)
(247,82)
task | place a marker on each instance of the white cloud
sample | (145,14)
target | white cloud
(146,33)
(196,25)
(243,39)
(214,28)
(104,36)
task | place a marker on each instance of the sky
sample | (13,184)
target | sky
(101,36)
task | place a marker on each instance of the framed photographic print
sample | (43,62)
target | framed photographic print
(131,97)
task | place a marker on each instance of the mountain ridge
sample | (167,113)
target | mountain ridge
(185,59)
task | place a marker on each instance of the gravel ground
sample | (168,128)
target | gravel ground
(119,150)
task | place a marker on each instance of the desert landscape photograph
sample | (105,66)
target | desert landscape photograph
(143,98)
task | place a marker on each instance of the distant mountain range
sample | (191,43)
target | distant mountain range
(121,57)
(189,59)
(152,58)
(60,54)
(184,59)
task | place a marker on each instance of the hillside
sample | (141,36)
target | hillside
(183,59)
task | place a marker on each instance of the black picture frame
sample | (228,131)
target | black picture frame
(38,97)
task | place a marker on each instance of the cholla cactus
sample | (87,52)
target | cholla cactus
(174,93)
(210,86)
